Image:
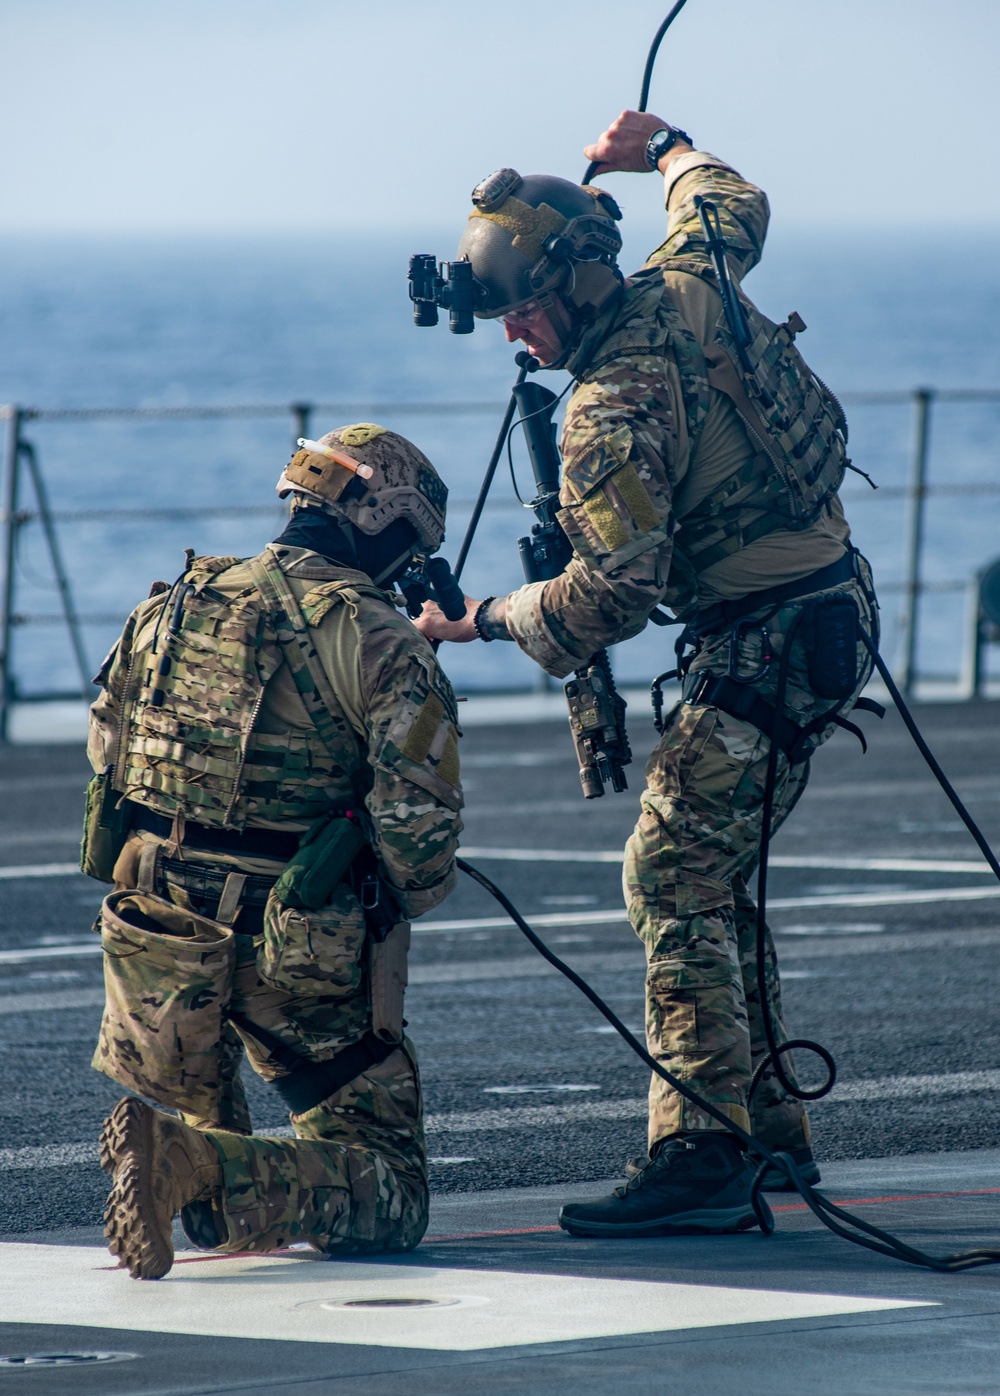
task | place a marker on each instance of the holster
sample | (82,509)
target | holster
(387,976)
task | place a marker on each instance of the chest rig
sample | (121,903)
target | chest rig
(794,422)
(195,686)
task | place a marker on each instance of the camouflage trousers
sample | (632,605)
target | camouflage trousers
(685,877)
(354,1178)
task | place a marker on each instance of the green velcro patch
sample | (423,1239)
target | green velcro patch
(448,765)
(422,733)
(610,529)
(361,433)
(636,496)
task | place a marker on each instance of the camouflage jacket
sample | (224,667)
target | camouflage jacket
(395,732)
(649,446)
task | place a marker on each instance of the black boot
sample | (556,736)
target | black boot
(775,1181)
(699,1183)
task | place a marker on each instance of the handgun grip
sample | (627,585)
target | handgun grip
(388,978)
(444,588)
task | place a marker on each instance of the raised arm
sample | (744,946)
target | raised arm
(743,208)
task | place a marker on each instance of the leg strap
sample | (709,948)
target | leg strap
(307,1083)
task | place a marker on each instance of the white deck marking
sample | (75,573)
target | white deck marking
(50,952)
(777,860)
(39,870)
(535,1117)
(611,855)
(610,914)
(301,1298)
(51,1001)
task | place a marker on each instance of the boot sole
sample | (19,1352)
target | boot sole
(708,1222)
(129,1217)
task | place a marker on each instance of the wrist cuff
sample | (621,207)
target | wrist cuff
(488,625)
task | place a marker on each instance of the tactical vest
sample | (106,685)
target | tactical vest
(195,688)
(791,417)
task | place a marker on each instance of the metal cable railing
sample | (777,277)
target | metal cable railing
(19,461)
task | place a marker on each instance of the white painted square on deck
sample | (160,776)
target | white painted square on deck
(299,1298)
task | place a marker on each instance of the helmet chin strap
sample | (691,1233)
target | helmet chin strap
(589,291)
(395,569)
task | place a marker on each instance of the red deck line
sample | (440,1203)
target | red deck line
(871,1201)
(537,1230)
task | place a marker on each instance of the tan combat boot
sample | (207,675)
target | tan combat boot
(159,1166)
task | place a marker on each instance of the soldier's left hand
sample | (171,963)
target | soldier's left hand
(433,623)
(623,144)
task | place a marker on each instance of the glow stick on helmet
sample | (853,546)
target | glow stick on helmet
(348,462)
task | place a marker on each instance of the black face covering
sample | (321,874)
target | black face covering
(383,556)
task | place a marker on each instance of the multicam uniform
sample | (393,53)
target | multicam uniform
(248,748)
(667,496)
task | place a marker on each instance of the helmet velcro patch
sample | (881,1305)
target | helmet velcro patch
(361,433)
(530,226)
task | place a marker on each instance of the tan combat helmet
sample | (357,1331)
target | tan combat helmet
(402,485)
(534,236)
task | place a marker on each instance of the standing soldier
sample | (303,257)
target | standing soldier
(700,469)
(277,794)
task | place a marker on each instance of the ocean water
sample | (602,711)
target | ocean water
(145,323)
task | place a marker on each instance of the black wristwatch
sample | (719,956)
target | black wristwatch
(663,140)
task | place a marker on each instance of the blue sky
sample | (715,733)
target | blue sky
(244,116)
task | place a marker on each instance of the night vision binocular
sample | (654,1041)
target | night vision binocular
(449,285)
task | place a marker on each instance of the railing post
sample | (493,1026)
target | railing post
(11,416)
(58,567)
(301,420)
(923,398)
(971,677)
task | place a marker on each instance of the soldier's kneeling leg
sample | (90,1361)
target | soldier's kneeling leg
(353,1180)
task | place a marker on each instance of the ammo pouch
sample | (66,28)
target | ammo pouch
(321,861)
(168,976)
(830,634)
(313,951)
(105,828)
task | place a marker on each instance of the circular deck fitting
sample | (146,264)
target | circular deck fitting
(63,1359)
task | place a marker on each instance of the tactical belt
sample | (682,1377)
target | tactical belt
(308,1083)
(741,701)
(206,881)
(722,615)
(253,843)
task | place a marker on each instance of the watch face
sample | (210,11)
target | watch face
(659,142)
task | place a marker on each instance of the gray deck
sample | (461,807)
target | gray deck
(892,965)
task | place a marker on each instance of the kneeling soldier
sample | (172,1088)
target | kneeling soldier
(277,793)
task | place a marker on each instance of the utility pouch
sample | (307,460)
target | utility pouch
(832,643)
(321,862)
(388,975)
(105,828)
(168,978)
(313,951)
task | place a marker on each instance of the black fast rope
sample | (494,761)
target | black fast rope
(647,75)
(526,365)
(775,1050)
(836,1219)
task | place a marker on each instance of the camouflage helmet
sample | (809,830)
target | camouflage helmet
(403,484)
(525,236)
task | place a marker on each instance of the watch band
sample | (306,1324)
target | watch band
(663,140)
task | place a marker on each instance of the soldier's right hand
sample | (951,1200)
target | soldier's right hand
(623,144)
